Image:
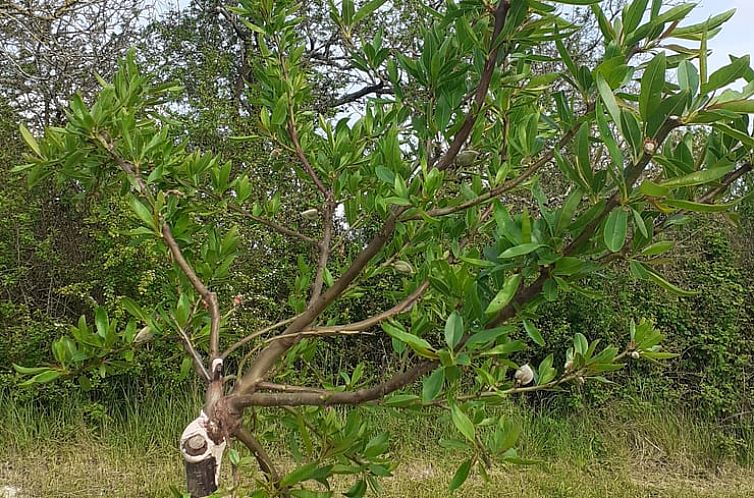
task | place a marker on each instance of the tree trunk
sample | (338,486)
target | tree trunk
(202,448)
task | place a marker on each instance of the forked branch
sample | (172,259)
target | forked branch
(334,398)
(501,13)
(209,297)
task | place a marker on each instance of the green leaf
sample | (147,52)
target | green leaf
(101,322)
(29,370)
(639,223)
(566,57)
(694,31)
(676,13)
(652,189)
(616,155)
(251,26)
(41,378)
(566,212)
(453,330)
(463,423)
(505,349)
(506,435)
(739,106)
(377,446)
(358,490)
(583,159)
(419,345)
(505,295)
(303,473)
(22,167)
(645,273)
(631,129)
(367,9)
(608,97)
(520,250)
(489,335)
(142,212)
(462,473)
(432,385)
(133,308)
(658,248)
(545,371)
(652,83)
(697,177)
(699,207)
(280,113)
(726,74)
(385,174)
(658,355)
(30,140)
(533,332)
(607,29)
(688,77)
(737,134)
(633,14)
(616,227)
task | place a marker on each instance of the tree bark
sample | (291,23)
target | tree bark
(202,446)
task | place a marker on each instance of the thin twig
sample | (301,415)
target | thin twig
(324,249)
(197,359)
(378,89)
(501,13)
(256,334)
(506,186)
(275,226)
(209,297)
(304,161)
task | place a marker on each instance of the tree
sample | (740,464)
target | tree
(52,49)
(434,186)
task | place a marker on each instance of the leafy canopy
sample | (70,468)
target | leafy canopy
(492,175)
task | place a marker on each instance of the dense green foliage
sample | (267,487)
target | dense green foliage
(490,208)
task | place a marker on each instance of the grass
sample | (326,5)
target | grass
(130,451)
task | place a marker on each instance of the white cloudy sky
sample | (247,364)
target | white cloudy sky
(737,36)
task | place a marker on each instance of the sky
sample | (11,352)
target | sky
(737,36)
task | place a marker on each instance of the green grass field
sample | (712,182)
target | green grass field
(75,452)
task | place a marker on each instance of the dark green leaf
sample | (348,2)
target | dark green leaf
(463,423)
(30,140)
(462,473)
(520,250)
(652,83)
(419,345)
(505,295)
(489,335)
(726,75)
(616,227)
(367,9)
(41,378)
(29,370)
(432,385)
(697,177)
(453,330)
(533,332)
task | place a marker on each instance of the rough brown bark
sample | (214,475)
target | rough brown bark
(200,476)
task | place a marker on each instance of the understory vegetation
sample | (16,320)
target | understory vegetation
(81,448)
